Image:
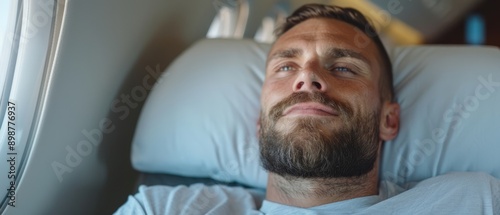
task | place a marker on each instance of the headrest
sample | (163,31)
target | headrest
(200,118)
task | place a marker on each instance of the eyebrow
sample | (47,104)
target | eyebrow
(287,53)
(331,52)
(340,53)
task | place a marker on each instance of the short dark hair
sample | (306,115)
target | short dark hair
(355,18)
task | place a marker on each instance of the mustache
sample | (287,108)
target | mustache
(343,108)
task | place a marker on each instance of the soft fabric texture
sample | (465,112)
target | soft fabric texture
(200,118)
(450,118)
(454,193)
(195,199)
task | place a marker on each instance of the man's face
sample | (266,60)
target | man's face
(320,102)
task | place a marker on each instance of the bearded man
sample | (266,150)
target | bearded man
(327,107)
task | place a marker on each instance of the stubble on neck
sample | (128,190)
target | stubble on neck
(310,192)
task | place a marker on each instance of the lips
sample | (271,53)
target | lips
(310,108)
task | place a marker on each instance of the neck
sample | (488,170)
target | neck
(306,192)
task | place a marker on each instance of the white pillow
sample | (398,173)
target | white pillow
(450,112)
(200,119)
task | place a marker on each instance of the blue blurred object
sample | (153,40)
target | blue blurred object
(474,30)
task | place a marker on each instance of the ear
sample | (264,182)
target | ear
(389,121)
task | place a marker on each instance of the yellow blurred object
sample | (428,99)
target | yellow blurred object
(386,24)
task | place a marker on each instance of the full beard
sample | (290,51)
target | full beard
(312,147)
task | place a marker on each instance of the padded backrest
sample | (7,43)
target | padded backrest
(200,119)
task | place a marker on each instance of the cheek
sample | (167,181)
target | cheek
(359,95)
(372,96)
(369,100)
(272,93)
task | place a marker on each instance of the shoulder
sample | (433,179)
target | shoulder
(451,193)
(473,186)
(466,180)
(194,199)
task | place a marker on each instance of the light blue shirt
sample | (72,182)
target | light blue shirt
(453,193)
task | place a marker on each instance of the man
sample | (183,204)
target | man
(327,107)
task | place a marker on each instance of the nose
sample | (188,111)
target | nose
(309,81)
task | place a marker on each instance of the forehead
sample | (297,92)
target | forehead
(323,34)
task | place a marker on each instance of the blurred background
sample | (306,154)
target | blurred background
(488,29)
(400,22)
